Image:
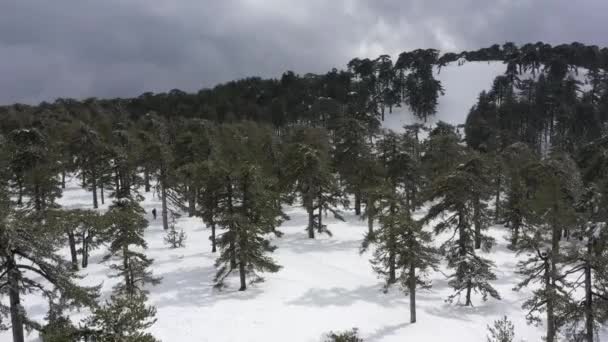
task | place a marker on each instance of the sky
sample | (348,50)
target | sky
(122,48)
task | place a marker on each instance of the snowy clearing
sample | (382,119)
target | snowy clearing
(325,284)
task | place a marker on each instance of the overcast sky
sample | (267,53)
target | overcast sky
(110,48)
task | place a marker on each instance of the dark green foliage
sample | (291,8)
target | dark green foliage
(123,318)
(345,336)
(515,160)
(250,208)
(554,186)
(421,90)
(59,327)
(126,236)
(309,171)
(31,264)
(34,169)
(457,197)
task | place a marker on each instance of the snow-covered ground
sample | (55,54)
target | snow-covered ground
(325,284)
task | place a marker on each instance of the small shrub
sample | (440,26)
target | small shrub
(502,331)
(174,238)
(344,336)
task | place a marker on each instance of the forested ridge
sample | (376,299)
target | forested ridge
(533,157)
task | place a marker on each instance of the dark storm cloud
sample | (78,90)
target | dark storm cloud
(83,48)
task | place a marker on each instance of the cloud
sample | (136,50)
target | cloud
(122,48)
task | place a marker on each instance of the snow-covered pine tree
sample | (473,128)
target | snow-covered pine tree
(456,198)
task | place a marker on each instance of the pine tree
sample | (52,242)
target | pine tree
(126,236)
(174,238)
(350,151)
(516,159)
(308,168)
(456,196)
(554,185)
(157,147)
(502,331)
(31,264)
(92,157)
(123,318)
(34,168)
(401,242)
(254,217)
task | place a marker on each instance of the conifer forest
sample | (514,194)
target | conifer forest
(337,206)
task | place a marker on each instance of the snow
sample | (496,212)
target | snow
(325,284)
(462,85)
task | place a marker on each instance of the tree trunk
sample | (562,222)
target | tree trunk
(20,196)
(117,182)
(94,186)
(392,274)
(589,319)
(63,179)
(462,246)
(101,192)
(550,306)
(191,201)
(85,250)
(127,274)
(311,218)
(242,276)
(73,251)
(15,302)
(497,204)
(37,198)
(231,229)
(84,180)
(213,242)
(357,203)
(369,207)
(412,286)
(477,222)
(146,180)
(242,238)
(163,195)
(515,237)
(320,215)
(468,298)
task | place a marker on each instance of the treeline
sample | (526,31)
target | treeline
(534,158)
